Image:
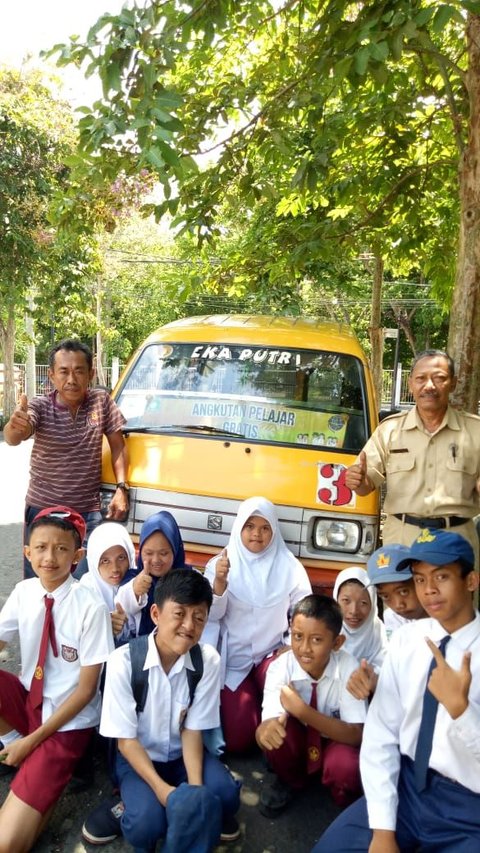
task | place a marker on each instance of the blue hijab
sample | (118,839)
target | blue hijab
(161,522)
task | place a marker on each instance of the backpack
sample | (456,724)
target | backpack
(139,679)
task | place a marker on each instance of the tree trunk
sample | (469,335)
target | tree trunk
(99,338)
(375,331)
(464,332)
(7,343)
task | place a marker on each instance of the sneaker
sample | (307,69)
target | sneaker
(79,783)
(275,798)
(103,824)
(6,769)
(230,829)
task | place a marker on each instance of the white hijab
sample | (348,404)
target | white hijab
(370,639)
(105,536)
(263,579)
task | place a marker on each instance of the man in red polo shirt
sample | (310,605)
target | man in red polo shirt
(68,426)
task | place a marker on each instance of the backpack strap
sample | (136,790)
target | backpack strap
(194,675)
(139,678)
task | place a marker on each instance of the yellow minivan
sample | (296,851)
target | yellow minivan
(220,408)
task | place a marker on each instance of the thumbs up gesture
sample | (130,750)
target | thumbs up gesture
(271,733)
(142,583)
(356,477)
(363,681)
(222,567)
(119,617)
(19,426)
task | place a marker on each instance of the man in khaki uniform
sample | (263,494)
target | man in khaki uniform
(429,457)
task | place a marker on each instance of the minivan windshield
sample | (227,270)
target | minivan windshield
(263,394)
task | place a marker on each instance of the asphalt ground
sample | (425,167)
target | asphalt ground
(295,831)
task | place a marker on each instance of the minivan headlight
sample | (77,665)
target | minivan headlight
(333,535)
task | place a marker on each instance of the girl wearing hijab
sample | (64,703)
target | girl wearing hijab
(110,554)
(255,580)
(364,631)
(160,549)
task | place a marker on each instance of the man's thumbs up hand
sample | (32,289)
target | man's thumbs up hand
(19,424)
(356,475)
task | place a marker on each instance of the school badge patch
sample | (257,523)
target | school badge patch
(92,419)
(69,654)
(426,536)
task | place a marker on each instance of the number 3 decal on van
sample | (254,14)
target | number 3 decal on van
(331,487)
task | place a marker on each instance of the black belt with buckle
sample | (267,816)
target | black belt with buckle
(435,523)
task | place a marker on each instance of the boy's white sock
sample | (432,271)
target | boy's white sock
(9,737)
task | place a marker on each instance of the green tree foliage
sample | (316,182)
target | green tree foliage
(37,133)
(334,127)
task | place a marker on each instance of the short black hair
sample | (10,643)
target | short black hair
(71,345)
(434,353)
(320,607)
(55,521)
(465,568)
(185,586)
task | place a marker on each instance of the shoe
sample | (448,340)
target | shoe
(6,769)
(80,783)
(103,824)
(275,798)
(230,829)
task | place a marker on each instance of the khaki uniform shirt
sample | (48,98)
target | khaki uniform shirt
(426,474)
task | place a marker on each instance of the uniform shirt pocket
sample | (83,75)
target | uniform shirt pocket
(462,475)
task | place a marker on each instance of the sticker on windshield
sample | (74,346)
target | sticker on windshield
(331,487)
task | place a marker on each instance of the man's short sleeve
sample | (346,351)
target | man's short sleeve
(114,420)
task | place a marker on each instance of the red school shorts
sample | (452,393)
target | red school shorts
(44,773)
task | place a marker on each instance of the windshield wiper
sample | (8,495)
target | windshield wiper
(181,428)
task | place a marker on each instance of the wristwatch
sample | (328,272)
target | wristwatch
(124,487)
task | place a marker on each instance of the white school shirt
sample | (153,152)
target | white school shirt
(157,727)
(129,629)
(393,621)
(393,719)
(333,698)
(249,634)
(132,606)
(83,631)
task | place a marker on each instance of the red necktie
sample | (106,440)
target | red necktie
(314,739)
(48,635)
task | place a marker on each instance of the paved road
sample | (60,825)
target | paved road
(293,832)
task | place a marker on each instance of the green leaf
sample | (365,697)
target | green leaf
(361,59)
(154,157)
(442,16)
(379,50)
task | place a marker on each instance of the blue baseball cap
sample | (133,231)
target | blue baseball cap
(383,565)
(440,547)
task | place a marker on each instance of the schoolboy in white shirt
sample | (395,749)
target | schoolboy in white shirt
(389,570)
(420,757)
(170,788)
(311,725)
(48,714)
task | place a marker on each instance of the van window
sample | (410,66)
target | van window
(264,394)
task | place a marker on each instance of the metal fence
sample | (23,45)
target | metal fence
(43,385)
(404,397)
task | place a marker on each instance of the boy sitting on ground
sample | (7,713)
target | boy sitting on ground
(169,786)
(48,714)
(312,726)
